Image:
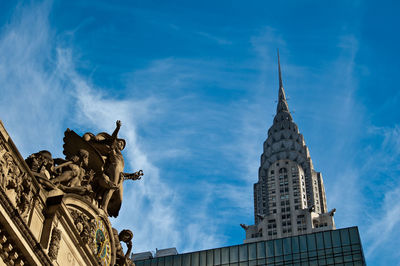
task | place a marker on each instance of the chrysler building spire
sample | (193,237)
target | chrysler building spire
(289,197)
(282,103)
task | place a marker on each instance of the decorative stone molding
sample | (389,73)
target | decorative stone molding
(86,227)
(24,229)
(54,243)
(13,178)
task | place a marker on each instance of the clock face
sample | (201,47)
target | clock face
(102,243)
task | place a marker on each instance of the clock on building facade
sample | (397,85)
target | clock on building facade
(102,243)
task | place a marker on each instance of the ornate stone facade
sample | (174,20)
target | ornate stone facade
(54,211)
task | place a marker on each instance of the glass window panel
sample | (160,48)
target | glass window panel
(243,253)
(244,264)
(234,254)
(320,240)
(344,235)
(338,259)
(161,261)
(168,261)
(287,246)
(303,243)
(224,255)
(279,259)
(147,263)
(336,238)
(186,259)
(259,262)
(311,241)
(217,256)
(348,258)
(177,260)
(278,247)
(355,247)
(195,259)
(260,250)
(252,251)
(328,252)
(337,251)
(139,263)
(295,244)
(354,235)
(270,248)
(203,258)
(312,254)
(254,263)
(347,249)
(327,240)
(210,260)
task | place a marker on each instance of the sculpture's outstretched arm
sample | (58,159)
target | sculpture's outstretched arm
(115,133)
(134,176)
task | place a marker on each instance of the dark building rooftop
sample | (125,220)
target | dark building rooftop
(334,247)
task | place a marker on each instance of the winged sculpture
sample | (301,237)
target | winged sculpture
(107,163)
(93,167)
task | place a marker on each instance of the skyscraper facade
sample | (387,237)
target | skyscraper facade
(289,197)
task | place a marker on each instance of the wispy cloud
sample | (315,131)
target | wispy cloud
(43,93)
(173,124)
(214,38)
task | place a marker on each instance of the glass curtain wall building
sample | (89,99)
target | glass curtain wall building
(335,247)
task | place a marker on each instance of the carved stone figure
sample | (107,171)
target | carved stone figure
(10,173)
(42,166)
(24,195)
(12,178)
(73,170)
(41,162)
(54,243)
(126,237)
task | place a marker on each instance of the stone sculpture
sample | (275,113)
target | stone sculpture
(126,237)
(93,167)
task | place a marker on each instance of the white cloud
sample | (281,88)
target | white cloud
(42,94)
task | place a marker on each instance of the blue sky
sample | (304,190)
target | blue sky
(195,85)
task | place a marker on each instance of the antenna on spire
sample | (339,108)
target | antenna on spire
(279,68)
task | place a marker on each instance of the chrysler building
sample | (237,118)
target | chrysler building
(289,197)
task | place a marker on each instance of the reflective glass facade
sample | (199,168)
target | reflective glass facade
(336,247)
